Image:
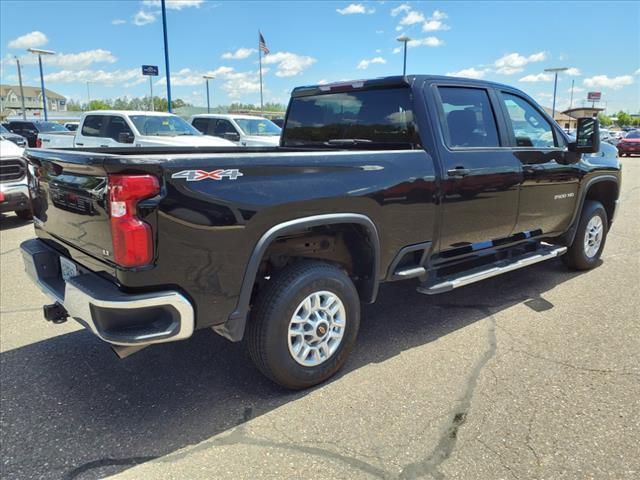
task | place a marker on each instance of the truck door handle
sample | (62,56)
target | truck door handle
(81,144)
(104,146)
(458,172)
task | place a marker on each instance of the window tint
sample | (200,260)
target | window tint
(530,128)
(117,125)
(50,127)
(380,115)
(468,117)
(224,126)
(202,124)
(92,126)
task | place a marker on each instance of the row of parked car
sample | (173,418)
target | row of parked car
(113,128)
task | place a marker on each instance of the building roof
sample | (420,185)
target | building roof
(581,111)
(29,91)
(559,116)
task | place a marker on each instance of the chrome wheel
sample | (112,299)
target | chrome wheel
(593,236)
(316,328)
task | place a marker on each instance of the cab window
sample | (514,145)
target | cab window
(117,125)
(529,127)
(92,126)
(468,120)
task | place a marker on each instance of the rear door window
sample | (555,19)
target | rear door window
(92,126)
(529,127)
(224,126)
(203,124)
(468,120)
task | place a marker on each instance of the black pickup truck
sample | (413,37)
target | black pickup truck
(445,180)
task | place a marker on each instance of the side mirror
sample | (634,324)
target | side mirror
(587,136)
(125,137)
(231,136)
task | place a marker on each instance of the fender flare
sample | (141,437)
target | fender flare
(570,234)
(234,327)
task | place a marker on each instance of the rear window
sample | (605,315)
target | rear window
(381,116)
(92,126)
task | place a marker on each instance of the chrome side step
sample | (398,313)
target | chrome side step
(545,252)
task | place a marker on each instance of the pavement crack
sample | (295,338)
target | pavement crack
(449,435)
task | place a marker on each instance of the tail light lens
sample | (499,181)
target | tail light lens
(132,238)
(38,143)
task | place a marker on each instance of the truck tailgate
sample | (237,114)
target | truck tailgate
(70,200)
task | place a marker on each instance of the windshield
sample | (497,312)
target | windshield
(3,130)
(50,127)
(635,134)
(354,118)
(258,126)
(162,125)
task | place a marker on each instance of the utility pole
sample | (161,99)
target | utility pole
(153,107)
(24,111)
(573,82)
(555,86)
(206,79)
(88,95)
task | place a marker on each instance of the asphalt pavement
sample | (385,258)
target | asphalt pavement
(531,375)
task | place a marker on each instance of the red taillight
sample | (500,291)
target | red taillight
(38,143)
(132,238)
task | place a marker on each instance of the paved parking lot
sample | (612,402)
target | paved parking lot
(534,374)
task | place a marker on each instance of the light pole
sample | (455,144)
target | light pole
(40,52)
(404,39)
(166,54)
(206,79)
(24,112)
(555,71)
(88,94)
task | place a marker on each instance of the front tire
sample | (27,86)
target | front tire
(304,324)
(584,253)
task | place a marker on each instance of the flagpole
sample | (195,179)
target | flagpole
(260,60)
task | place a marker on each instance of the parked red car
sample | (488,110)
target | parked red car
(629,144)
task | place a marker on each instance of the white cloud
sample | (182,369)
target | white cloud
(382,31)
(420,42)
(143,18)
(469,73)
(29,40)
(322,82)
(537,77)
(412,17)
(239,54)
(95,76)
(573,71)
(399,9)
(188,78)
(289,64)
(364,64)
(72,60)
(614,83)
(637,72)
(355,8)
(514,62)
(575,89)
(118,21)
(174,4)
(435,22)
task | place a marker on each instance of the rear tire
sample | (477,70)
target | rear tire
(584,253)
(24,214)
(304,324)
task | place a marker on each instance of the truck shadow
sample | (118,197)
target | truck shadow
(7,222)
(72,410)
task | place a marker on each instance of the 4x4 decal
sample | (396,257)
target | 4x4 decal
(197,175)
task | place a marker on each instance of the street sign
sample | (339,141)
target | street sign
(150,70)
(594,96)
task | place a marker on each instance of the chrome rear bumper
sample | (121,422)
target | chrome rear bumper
(98,304)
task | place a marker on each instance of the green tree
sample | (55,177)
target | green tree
(623,118)
(99,105)
(604,120)
(73,106)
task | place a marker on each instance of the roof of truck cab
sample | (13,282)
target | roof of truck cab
(228,115)
(395,80)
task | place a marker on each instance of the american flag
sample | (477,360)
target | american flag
(262,44)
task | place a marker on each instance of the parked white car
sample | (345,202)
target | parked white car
(114,128)
(14,192)
(243,130)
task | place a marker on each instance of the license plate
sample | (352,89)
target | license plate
(68,269)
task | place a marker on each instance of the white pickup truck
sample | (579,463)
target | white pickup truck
(112,128)
(243,130)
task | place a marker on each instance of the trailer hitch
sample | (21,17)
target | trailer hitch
(55,313)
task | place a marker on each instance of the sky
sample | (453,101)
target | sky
(311,42)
